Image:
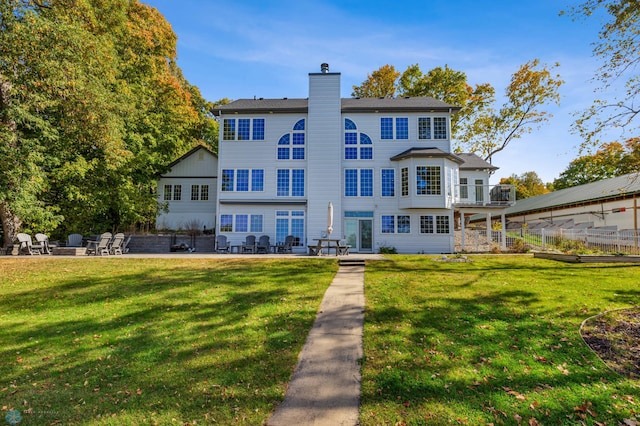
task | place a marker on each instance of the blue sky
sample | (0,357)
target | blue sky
(266,48)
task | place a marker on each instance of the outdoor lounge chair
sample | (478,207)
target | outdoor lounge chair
(116,244)
(287,246)
(222,245)
(43,241)
(74,240)
(263,245)
(249,245)
(343,248)
(125,245)
(27,246)
(100,247)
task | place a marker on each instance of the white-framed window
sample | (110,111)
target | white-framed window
(438,224)
(432,127)
(240,222)
(291,146)
(404,181)
(428,180)
(396,224)
(357,146)
(290,182)
(394,128)
(172,192)
(242,180)
(388,182)
(199,192)
(464,188)
(358,182)
(290,222)
(243,129)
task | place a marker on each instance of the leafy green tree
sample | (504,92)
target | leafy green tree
(449,86)
(379,84)
(619,50)
(531,87)
(478,127)
(527,185)
(611,160)
(93,107)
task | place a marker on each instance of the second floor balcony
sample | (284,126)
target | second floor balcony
(492,196)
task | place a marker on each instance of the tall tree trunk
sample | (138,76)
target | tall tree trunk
(10,222)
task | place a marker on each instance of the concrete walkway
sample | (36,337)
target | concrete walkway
(325,386)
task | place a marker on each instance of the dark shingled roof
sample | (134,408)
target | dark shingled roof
(426,153)
(352,105)
(473,162)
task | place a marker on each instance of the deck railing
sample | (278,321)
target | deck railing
(485,195)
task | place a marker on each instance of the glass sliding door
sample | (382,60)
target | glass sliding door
(358,231)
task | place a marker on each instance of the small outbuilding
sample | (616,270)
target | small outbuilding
(188,192)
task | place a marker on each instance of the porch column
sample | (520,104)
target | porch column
(489,230)
(462,230)
(504,231)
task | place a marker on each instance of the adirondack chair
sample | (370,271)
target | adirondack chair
(43,241)
(287,246)
(101,246)
(74,240)
(222,245)
(263,245)
(27,246)
(116,244)
(249,245)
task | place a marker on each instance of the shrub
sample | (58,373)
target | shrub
(519,246)
(387,250)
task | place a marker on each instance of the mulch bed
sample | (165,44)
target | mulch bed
(615,337)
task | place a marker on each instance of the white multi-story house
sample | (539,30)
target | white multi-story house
(385,165)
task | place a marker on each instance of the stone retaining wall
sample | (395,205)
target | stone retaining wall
(164,243)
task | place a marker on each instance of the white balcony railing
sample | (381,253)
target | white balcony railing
(485,195)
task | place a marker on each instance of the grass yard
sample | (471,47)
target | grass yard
(152,341)
(103,341)
(493,341)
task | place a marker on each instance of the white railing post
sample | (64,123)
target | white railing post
(544,243)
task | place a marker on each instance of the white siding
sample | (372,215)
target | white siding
(199,168)
(324,135)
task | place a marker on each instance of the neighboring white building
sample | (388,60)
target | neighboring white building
(386,166)
(609,203)
(188,190)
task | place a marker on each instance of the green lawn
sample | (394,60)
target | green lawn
(495,341)
(149,341)
(104,341)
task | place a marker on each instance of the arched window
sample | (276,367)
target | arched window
(291,146)
(357,146)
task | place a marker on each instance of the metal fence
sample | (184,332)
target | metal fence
(587,240)
(605,241)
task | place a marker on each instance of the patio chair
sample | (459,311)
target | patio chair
(343,248)
(287,246)
(116,244)
(74,240)
(125,245)
(27,246)
(222,245)
(101,246)
(43,241)
(263,245)
(249,245)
